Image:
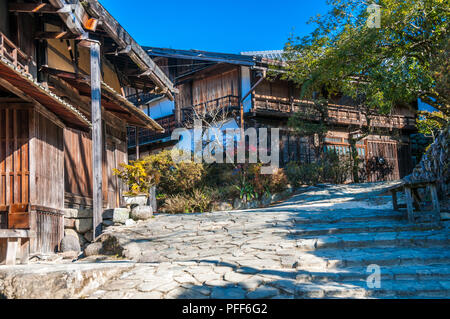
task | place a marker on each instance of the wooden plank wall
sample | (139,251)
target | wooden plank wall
(14,154)
(49,227)
(116,152)
(48,163)
(215,86)
(184,98)
(78,163)
(78,168)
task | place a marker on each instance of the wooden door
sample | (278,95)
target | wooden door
(382,161)
(14,155)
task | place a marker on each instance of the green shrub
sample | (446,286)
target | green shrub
(175,178)
(336,168)
(175,204)
(303,174)
(220,175)
(331,168)
(222,193)
(196,202)
(278,181)
(138,177)
(253,185)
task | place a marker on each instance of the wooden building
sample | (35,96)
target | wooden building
(208,80)
(64,67)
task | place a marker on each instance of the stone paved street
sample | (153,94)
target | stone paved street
(317,244)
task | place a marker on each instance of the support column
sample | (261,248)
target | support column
(97,145)
(137,143)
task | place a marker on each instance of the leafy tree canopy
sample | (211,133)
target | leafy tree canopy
(405,59)
(429,123)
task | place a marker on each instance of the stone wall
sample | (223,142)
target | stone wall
(78,230)
(419,144)
(435,164)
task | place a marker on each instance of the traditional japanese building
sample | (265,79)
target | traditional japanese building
(209,80)
(64,68)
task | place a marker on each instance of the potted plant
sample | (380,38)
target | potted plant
(139,179)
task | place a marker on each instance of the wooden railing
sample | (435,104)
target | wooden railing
(13,54)
(145,136)
(339,114)
(226,103)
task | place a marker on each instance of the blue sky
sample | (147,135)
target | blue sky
(222,26)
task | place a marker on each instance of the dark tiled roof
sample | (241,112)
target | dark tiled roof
(204,55)
(271,55)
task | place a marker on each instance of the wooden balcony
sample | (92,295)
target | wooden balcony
(146,136)
(337,114)
(225,103)
(10,52)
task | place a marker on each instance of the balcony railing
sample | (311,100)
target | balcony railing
(146,136)
(13,54)
(339,114)
(225,103)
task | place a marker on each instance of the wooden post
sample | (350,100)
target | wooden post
(97,144)
(137,142)
(435,200)
(395,200)
(11,251)
(409,204)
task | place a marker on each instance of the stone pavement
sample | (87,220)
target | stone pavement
(318,244)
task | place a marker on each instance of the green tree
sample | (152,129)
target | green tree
(406,59)
(429,123)
(379,68)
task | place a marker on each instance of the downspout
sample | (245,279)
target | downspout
(241,103)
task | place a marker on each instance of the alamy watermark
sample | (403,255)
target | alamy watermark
(374,279)
(215,145)
(374,20)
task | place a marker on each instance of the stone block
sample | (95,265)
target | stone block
(141,213)
(136,200)
(108,223)
(83,225)
(69,223)
(70,243)
(121,215)
(130,222)
(78,213)
(94,249)
(108,214)
(70,232)
(89,236)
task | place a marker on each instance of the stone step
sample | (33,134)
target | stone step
(384,239)
(437,272)
(361,227)
(348,216)
(393,289)
(333,259)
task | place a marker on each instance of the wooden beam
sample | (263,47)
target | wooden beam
(137,53)
(97,149)
(71,14)
(39,107)
(32,8)
(16,233)
(55,35)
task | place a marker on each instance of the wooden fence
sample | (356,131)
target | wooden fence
(10,51)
